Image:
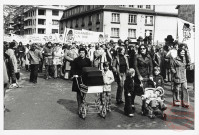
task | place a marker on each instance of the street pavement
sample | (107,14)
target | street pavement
(50,104)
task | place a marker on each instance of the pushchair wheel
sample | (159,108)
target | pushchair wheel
(83,112)
(103,111)
(164,116)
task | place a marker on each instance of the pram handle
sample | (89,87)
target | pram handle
(147,79)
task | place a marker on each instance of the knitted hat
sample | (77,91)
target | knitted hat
(161,90)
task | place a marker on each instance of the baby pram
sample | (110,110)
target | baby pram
(155,105)
(91,82)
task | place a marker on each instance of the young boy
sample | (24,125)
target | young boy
(158,79)
(108,80)
(128,92)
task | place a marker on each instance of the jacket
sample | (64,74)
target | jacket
(48,60)
(178,68)
(57,56)
(108,79)
(34,56)
(143,67)
(116,64)
(69,56)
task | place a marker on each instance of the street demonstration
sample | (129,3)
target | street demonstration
(136,74)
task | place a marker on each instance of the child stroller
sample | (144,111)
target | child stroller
(87,86)
(155,105)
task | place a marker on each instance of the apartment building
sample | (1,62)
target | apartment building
(42,20)
(118,21)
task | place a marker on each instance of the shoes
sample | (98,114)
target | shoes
(176,103)
(120,102)
(164,107)
(131,115)
(14,85)
(185,105)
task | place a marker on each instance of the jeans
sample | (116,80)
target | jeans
(184,92)
(129,101)
(34,72)
(120,84)
(49,71)
(57,71)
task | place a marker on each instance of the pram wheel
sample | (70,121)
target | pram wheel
(164,116)
(103,111)
(83,112)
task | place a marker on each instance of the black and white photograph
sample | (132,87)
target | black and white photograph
(99,67)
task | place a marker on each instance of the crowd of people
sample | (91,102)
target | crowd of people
(132,65)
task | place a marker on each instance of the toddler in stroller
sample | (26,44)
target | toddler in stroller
(153,102)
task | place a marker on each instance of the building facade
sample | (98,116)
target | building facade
(118,21)
(18,25)
(8,24)
(42,20)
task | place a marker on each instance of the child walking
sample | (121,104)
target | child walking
(128,92)
(108,80)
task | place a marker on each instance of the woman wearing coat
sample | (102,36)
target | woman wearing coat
(143,70)
(69,55)
(11,64)
(57,60)
(76,70)
(178,68)
(120,66)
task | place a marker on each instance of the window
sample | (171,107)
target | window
(81,8)
(133,19)
(115,17)
(140,6)
(115,32)
(61,26)
(122,5)
(54,31)
(90,20)
(88,7)
(55,12)
(55,22)
(42,21)
(41,31)
(148,20)
(76,25)
(83,22)
(41,12)
(132,33)
(148,6)
(98,18)
(148,33)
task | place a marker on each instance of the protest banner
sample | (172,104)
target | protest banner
(186,34)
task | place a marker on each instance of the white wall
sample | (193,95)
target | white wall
(123,26)
(49,19)
(165,26)
(166,8)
